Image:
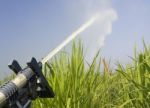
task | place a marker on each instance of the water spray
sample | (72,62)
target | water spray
(69,39)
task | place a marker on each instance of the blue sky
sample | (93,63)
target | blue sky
(33,28)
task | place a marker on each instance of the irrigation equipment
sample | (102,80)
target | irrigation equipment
(29,83)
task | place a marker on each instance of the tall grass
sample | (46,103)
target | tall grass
(80,85)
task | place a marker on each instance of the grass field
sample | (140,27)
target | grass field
(78,84)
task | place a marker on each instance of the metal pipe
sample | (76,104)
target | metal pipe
(16,84)
(2,99)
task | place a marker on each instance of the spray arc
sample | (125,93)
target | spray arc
(70,38)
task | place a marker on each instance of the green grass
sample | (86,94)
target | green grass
(78,84)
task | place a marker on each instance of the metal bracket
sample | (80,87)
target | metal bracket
(14,66)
